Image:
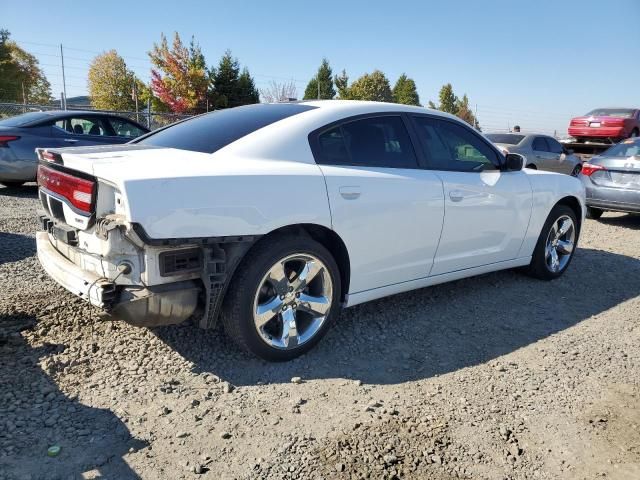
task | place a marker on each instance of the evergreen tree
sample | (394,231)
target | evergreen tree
(342,84)
(229,87)
(325,76)
(371,86)
(405,91)
(247,91)
(448,100)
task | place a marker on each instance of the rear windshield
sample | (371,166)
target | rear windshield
(627,148)
(506,138)
(212,131)
(24,119)
(611,112)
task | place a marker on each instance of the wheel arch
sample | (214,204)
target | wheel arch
(574,204)
(328,239)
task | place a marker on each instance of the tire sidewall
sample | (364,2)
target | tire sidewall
(257,267)
(539,260)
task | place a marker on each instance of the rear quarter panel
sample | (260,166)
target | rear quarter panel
(249,197)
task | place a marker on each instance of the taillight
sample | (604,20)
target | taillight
(78,191)
(588,169)
(5,139)
(613,122)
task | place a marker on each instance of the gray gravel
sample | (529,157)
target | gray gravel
(496,377)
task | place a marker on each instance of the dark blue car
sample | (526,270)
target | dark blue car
(22,134)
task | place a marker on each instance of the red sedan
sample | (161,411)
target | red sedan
(612,124)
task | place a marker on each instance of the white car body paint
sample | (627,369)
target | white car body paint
(403,228)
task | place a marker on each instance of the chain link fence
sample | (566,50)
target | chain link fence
(151,120)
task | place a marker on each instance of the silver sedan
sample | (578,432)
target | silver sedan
(541,152)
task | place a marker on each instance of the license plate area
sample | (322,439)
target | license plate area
(594,124)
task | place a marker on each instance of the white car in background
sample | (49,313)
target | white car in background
(274,216)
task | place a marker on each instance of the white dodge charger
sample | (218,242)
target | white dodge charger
(275,216)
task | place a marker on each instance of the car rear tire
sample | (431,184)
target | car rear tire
(556,244)
(531,166)
(12,184)
(594,213)
(634,133)
(283,299)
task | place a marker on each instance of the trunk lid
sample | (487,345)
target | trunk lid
(619,172)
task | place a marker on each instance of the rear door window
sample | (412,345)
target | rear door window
(373,141)
(124,128)
(540,145)
(554,145)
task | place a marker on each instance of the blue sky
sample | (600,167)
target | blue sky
(534,63)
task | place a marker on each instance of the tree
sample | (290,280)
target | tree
(279,92)
(451,104)
(448,100)
(465,113)
(179,78)
(229,87)
(371,86)
(111,83)
(324,77)
(21,78)
(404,91)
(247,91)
(342,84)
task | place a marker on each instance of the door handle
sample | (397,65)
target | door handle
(456,195)
(70,140)
(350,193)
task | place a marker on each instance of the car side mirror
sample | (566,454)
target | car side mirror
(513,162)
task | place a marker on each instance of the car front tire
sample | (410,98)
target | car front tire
(283,299)
(556,244)
(594,213)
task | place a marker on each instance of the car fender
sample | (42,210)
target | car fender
(549,189)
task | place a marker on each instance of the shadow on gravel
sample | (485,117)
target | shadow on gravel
(15,247)
(432,331)
(35,414)
(626,221)
(29,190)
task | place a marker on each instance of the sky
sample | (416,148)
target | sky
(531,63)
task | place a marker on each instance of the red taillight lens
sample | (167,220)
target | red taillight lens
(79,191)
(614,122)
(588,169)
(5,139)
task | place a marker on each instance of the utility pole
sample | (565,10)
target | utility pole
(135,98)
(64,81)
(24,99)
(318,82)
(475,116)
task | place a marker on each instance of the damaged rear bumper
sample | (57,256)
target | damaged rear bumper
(138,305)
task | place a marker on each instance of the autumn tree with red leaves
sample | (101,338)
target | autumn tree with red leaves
(179,78)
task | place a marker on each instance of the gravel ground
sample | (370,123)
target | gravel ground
(494,377)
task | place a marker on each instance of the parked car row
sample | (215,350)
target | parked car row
(22,134)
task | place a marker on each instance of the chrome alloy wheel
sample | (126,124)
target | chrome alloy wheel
(293,301)
(560,244)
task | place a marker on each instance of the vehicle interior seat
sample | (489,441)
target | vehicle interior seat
(77,129)
(95,130)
